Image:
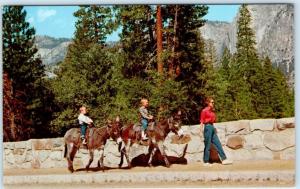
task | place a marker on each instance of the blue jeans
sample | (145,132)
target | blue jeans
(83,129)
(210,137)
(144,124)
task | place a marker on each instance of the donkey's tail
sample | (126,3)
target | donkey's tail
(66,150)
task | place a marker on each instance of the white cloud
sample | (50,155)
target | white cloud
(43,14)
(30,20)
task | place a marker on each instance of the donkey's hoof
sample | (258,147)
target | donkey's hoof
(71,169)
(129,166)
(150,165)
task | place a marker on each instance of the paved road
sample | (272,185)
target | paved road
(251,173)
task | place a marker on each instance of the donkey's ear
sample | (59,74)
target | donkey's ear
(117,119)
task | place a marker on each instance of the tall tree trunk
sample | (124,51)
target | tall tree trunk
(13,128)
(159,40)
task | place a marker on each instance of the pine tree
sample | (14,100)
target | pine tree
(246,74)
(187,57)
(180,57)
(137,38)
(224,105)
(83,77)
(24,70)
(275,92)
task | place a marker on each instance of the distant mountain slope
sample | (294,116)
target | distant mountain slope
(52,50)
(274,29)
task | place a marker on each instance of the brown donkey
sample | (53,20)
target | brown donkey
(96,140)
(157,135)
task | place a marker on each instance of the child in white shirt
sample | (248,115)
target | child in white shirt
(84,121)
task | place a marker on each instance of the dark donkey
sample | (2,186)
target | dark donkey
(157,135)
(96,139)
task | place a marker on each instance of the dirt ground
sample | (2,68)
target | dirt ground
(237,166)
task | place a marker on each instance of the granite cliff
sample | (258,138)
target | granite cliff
(274,29)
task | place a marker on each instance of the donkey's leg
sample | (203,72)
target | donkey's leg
(163,153)
(152,152)
(70,157)
(127,153)
(122,157)
(91,152)
(100,161)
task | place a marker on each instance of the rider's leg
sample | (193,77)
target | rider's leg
(144,127)
(83,131)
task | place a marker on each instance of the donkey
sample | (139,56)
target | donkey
(156,134)
(96,139)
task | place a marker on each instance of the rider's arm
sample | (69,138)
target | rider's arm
(144,113)
(85,119)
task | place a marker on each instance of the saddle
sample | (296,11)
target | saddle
(137,127)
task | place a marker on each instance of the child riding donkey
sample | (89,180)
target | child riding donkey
(84,121)
(145,117)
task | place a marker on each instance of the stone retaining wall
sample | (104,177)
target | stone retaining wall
(260,139)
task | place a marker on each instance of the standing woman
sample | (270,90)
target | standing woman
(208,118)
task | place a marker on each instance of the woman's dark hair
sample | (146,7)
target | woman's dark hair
(207,100)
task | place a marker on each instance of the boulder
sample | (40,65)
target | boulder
(254,141)
(235,142)
(262,124)
(277,141)
(195,129)
(284,123)
(237,127)
(7,151)
(110,160)
(137,150)
(175,150)
(263,154)
(9,145)
(36,164)
(26,165)
(186,129)
(58,142)
(56,155)
(239,154)
(43,155)
(28,156)
(196,145)
(20,145)
(288,154)
(10,158)
(42,144)
(221,132)
(193,158)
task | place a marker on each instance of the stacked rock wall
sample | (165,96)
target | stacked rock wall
(260,139)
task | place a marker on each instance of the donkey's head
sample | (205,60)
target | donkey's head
(175,122)
(114,129)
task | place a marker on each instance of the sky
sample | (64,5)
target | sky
(59,22)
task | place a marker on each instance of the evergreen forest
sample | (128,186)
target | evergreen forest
(161,56)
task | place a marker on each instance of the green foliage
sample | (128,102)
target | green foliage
(249,88)
(25,71)
(111,80)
